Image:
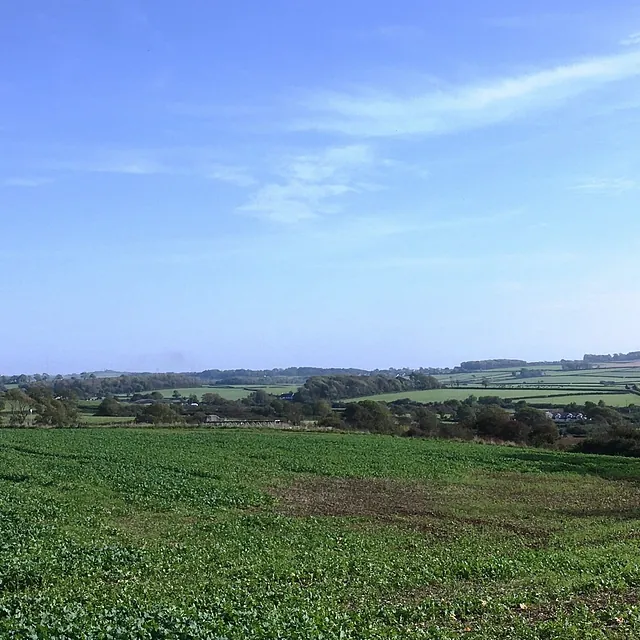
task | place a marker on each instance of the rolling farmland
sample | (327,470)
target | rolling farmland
(555,388)
(551,397)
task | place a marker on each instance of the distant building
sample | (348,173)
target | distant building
(566,417)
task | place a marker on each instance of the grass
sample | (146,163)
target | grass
(230,392)
(612,400)
(239,534)
(92,420)
(553,376)
(556,388)
(552,397)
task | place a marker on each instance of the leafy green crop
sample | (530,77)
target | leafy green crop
(239,534)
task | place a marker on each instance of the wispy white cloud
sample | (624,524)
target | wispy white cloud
(407,168)
(26,182)
(607,185)
(310,185)
(140,167)
(294,201)
(233,175)
(330,164)
(127,162)
(152,162)
(631,40)
(375,112)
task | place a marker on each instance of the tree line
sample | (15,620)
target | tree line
(616,357)
(488,365)
(341,387)
(94,387)
(299,375)
(38,406)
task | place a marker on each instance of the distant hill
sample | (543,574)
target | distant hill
(299,375)
(106,373)
(632,356)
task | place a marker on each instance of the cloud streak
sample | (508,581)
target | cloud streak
(310,185)
(377,113)
(159,162)
(26,182)
(607,185)
(236,176)
(631,40)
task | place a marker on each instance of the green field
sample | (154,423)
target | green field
(557,397)
(92,420)
(553,375)
(236,534)
(612,400)
(231,392)
(576,386)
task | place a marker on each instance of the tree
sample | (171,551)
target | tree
(514,431)
(492,421)
(109,407)
(60,411)
(544,433)
(20,407)
(341,387)
(465,415)
(531,416)
(604,415)
(158,413)
(426,421)
(622,440)
(370,416)
(331,421)
(293,412)
(156,395)
(212,398)
(423,382)
(259,397)
(57,413)
(321,408)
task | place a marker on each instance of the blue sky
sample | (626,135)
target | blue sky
(303,182)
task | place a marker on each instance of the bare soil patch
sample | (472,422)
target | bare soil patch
(361,497)
(442,512)
(597,603)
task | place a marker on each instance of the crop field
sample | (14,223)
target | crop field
(149,534)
